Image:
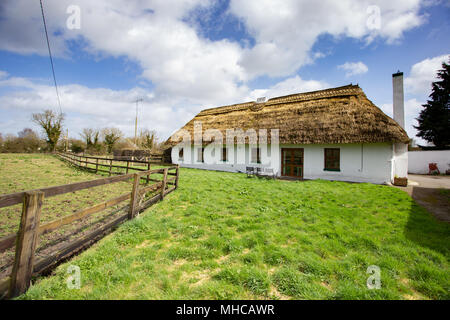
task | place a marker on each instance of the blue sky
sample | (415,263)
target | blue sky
(186,55)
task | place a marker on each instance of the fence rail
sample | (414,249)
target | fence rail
(97,164)
(26,239)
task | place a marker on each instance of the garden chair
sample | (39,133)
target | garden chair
(432,167)
(268,172)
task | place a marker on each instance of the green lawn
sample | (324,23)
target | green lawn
(225,236)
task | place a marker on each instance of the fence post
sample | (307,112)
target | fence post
(177,176)
(163,189)
(148,168)
(134,197)
(27,239)
(96,166)
(110,167)
(128,165)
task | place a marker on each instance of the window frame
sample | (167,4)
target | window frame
(201,151)
(224,152)
(326,165)
(181,154)
(258,155)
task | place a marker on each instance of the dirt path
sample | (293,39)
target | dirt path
(431,192)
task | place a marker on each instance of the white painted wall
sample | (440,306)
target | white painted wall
(400,161)
(359,162)
(419,160)
(239,157)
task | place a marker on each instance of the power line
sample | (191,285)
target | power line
(51,59)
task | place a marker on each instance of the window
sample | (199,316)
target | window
(200,153)
(332,159)
(224,157)
(256,155)
(181,154)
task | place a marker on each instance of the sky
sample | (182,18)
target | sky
(183,56)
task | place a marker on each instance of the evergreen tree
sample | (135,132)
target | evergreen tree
(434,119)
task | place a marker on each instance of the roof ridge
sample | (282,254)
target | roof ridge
(317,92)
(304,96)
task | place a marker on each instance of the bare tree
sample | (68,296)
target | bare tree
(51,123)
(91,138)
(110,137)
(147,139)
(25,132)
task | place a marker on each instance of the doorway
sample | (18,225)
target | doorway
(292,162)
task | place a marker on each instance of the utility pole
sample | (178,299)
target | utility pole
(135,125)
(67,141)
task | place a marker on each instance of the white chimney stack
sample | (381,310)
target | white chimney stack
(398,99)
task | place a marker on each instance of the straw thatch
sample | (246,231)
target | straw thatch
(338,115)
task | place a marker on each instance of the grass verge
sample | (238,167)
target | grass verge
(224,236)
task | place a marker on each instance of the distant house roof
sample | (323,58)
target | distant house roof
(337,115)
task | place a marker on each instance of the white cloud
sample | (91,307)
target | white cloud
(91,107)
(423,73)
(172,55)
(101,107)
(22,28)
(412,110)
(288,86)
(353,68)
(157,35)
(3,74)
(285,31)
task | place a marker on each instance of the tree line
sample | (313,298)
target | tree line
(91,141)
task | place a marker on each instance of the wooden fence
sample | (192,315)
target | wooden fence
(109,165)
(142,196)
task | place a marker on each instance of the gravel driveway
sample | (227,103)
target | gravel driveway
(432,192)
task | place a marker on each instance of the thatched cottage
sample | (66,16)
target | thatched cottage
(335,134)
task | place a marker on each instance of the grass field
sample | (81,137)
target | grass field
(224,236)
(27,172)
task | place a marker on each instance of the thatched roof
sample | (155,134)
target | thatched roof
(337,115)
